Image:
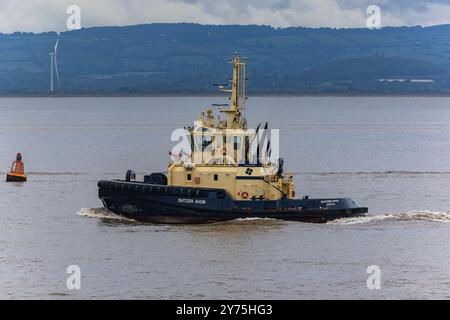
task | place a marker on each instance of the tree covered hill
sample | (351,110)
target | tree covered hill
(189,58)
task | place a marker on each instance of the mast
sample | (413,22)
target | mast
(227,137)
(235,115)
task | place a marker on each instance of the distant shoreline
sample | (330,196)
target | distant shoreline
(186,59)
(167,95)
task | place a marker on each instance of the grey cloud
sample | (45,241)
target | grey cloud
(45,15)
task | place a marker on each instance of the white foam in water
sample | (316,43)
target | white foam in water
(411,215)
(255,219)
(102,213)
(425,215)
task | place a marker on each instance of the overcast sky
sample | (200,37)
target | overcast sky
(50,15)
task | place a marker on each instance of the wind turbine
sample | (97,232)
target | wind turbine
(54,67)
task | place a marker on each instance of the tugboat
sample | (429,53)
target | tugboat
(17,172)
(221,178)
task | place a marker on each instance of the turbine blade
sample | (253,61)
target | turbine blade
(51,71)
(56,45)
(56,70)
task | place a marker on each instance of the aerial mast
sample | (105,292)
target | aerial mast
(235,115)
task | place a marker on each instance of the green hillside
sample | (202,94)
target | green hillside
(188,58)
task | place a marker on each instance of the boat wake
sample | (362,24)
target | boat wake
(105,214)
(102,213)
(424,215)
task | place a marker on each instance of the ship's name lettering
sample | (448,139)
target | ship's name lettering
(329,201)
(197,201)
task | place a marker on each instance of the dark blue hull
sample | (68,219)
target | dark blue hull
(166,204)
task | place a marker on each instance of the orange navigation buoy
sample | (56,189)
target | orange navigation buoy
(17,173)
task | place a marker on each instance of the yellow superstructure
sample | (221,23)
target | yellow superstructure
(225,154)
